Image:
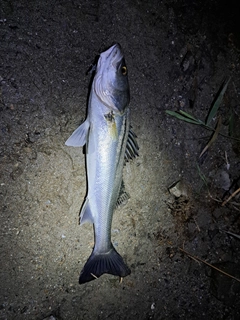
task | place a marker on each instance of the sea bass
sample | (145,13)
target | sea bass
(109,143)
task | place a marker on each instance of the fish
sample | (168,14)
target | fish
(110,143)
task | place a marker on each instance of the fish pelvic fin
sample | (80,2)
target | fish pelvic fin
(100,263)
(79,136)
(86,213)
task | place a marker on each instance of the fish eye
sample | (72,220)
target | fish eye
(124,70)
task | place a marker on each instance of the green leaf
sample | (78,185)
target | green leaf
(217,103)
(213,138)
(188,115)
(202,176)
(231,124)
(184,116)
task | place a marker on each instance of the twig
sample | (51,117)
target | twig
(196,224)
(227,163)
(210,265)
(231,196)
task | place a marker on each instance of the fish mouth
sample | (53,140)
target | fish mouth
(114,54)
(117,54)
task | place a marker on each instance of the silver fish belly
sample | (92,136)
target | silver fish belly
(109,143)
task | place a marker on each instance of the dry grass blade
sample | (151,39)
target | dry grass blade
(233,234)
(231,196)
(213,138)
(208,264)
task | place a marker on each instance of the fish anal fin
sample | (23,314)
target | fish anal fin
(123,196)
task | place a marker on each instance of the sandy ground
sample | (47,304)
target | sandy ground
(178,54)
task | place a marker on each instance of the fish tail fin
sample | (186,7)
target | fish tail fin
(100,263)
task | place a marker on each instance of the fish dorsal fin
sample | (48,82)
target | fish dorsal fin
(132,146)
(123,196)
(79,136)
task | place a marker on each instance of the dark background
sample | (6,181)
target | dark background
(178,55)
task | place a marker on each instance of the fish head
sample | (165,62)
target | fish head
(111,80)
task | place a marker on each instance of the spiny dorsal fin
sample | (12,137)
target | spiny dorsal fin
(132,146)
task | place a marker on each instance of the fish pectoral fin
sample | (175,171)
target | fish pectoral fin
(79,136)
(86,213)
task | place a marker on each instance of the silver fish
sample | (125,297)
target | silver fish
(109,143)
